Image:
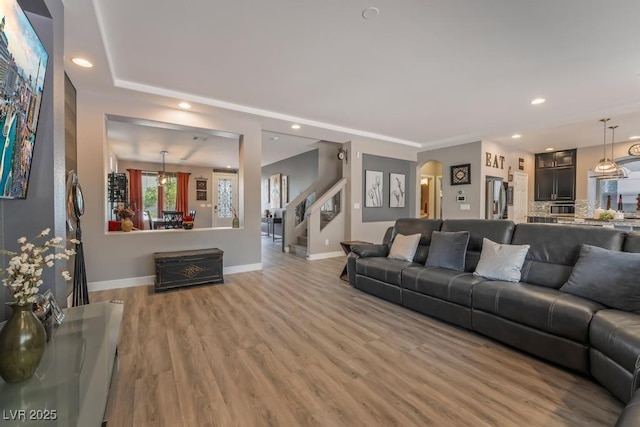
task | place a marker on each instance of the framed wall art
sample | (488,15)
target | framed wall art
(373,185)
(267,199)
(396,190)
(276,199)
(461,174)
(201,195)
(285,190)
(201,184)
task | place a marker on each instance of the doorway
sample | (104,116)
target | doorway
(431,190)
(225,198)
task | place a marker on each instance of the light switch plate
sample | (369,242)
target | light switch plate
(356,206)
(465,207)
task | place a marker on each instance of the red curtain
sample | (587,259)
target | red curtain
(135,196)
(160,201)
(182,193)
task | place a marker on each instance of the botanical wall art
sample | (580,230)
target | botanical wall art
(373,189)
(396,190)
(285,189)
(276,201)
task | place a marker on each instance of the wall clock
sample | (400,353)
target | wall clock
(461,174)
(634,150)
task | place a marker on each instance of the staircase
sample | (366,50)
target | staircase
(300,247)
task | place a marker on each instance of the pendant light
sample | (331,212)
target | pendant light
(162,176)
(623,172)
(606,168)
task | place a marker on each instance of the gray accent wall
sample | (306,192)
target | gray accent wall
(301,170)
(44,206)
(387,166)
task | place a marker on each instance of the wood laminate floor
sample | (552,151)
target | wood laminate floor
(292,345)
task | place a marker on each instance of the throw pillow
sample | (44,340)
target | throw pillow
(501,262)
(404,247)
(605,276)
(448,249)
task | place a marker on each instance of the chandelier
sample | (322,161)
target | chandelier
(162,176)
(607,168)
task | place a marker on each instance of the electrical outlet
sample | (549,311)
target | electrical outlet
(326,242)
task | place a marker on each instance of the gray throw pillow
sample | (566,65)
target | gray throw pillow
(404,247)
(448,249)
(608,277)
(501,262)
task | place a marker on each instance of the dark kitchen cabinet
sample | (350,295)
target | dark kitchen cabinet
(556,159)
(557,182)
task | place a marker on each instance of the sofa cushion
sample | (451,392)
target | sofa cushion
(445,284)
(404,247)
(370,250)
(632,242)
(616,334)
(608,277)
(500,231)
(387,270)
(448,249)
(555,249)
(425,227)
(501,262)
(542,308)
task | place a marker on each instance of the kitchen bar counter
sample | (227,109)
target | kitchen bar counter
(624,224)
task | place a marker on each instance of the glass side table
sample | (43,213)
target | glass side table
(72,383)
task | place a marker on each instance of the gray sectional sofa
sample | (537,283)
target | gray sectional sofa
(533,315)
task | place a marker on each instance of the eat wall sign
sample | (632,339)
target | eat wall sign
(494,161)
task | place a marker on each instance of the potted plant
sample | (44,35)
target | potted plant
(125,214)
(187,222)
(23,337)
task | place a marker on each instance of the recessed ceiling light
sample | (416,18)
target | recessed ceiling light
(274,138)
(516,136)
(184,105)
(371,13)
(228,166)
(549,149)
(81,62)
(295,126)
(635,137)
(538,101)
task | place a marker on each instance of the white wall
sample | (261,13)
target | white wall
(114,259)
(511,157)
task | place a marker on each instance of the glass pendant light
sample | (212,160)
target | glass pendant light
(606,168)
(162,176)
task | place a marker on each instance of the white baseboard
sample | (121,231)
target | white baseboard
(242,268)
(325,255)
(148,280)
(120,283)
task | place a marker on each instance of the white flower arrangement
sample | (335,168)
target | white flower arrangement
(23,275)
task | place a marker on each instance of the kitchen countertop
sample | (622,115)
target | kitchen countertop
(600,223)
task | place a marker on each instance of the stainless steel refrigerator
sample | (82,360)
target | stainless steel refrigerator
(496,198)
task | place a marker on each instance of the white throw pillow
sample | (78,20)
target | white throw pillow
(404,247)
(501,262)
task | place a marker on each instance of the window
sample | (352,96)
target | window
(628,188)
(150,193)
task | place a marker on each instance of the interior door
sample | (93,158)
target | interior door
(225,198)
(520,197)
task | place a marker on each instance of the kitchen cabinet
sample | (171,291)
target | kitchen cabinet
(556,159)
(555,177)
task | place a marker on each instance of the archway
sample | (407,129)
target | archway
(430,190)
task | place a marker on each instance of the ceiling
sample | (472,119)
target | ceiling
(145,140)
(423,73)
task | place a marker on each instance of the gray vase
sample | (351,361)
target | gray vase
(22,343)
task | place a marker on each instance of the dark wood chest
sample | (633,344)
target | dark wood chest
(187,268)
